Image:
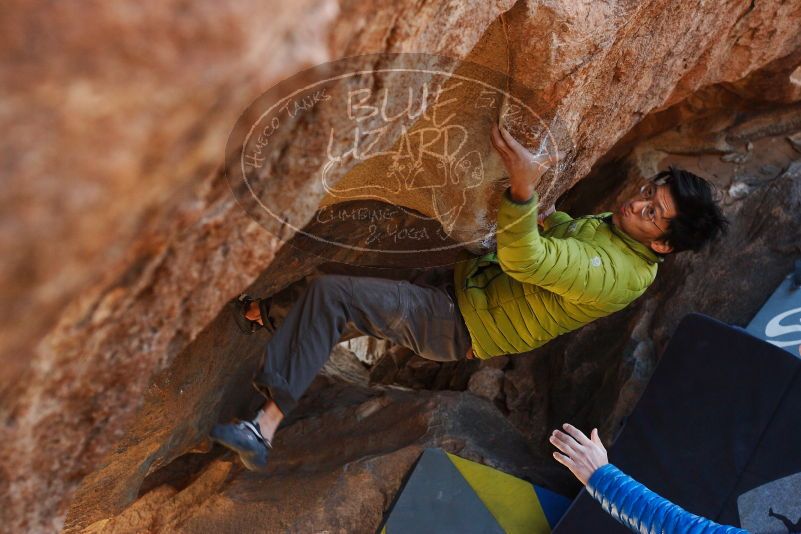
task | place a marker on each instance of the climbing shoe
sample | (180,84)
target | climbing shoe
(244,438)
(240,306)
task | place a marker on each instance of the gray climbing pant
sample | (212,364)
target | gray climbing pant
(420,314)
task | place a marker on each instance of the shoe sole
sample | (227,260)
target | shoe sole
(258,468)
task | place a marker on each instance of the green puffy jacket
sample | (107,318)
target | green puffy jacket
(538,286)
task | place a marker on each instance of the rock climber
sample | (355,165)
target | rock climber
(536,285)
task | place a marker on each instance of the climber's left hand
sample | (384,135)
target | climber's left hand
(524,168)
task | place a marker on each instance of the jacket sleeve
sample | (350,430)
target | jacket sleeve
(572,268)
(557,217)
(642,510)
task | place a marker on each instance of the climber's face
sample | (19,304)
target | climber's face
(646,216)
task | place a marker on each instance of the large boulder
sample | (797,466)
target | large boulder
(124,357)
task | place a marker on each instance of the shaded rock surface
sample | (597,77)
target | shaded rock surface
(137,359)
(363,447)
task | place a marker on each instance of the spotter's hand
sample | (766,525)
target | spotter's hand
(525,169)
(580,454)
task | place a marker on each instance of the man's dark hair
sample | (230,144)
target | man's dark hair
(698,219)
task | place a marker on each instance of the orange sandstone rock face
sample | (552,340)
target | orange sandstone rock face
(123,240)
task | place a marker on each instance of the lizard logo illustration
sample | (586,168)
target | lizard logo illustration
(431,159)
